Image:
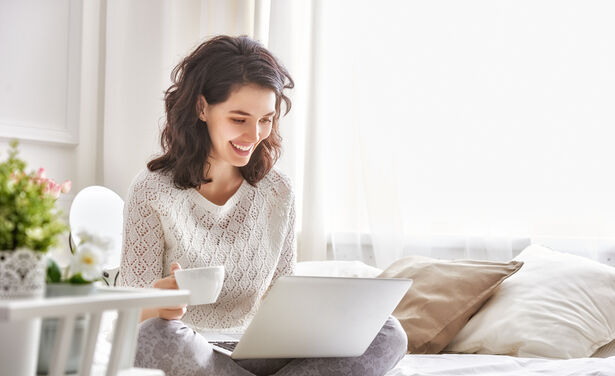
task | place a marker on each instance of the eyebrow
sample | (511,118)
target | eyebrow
(239,112)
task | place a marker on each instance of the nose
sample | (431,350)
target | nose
(253,131)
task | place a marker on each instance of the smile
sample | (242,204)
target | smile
(240,148)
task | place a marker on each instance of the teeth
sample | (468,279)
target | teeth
(244,148)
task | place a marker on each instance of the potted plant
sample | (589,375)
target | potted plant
(30,224)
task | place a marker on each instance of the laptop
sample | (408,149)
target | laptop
(315,317)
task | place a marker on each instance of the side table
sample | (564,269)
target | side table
(127,301)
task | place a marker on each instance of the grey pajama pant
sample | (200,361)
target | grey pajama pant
(179,351)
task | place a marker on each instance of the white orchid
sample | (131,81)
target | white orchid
(84,264)
(87,261)
(101,242)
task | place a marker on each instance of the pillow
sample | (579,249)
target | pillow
(336,268)
(443,296)
(605,351)
(558,306)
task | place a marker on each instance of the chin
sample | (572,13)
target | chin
(240,162)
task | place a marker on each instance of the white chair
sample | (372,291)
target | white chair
(98,210)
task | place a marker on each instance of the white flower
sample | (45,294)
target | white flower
(11,185)
(101,242)
(61,253)
(88,261)
(35,233)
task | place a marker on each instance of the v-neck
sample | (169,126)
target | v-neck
(215,208)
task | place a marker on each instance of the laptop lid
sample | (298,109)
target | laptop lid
(309,317)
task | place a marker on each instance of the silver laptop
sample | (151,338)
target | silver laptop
(313,317)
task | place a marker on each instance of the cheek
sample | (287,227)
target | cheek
(223,132)
(265,132)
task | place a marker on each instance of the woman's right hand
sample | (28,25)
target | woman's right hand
(170,313)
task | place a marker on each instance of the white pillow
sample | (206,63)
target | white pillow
(336,268)
(605,351)
(556,306)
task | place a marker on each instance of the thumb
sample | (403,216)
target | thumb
(174,267)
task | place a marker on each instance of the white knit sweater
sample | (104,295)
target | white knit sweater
(252,235)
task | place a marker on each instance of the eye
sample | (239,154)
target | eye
(238,121)
(266,121)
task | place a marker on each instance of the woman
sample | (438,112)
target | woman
(214,198)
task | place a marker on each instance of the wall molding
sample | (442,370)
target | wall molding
(69,133)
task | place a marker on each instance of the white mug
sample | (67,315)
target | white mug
(204,283)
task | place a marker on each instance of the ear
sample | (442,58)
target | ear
(201,108)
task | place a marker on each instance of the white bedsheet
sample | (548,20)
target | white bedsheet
(500,365)
(441,364)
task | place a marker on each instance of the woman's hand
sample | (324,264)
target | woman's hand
(170,313)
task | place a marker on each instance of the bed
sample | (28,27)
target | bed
(485,364)
(551,279)
(566,357)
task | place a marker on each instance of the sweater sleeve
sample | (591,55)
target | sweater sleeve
(143,241)
(288,256)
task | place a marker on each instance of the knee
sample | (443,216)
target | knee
(150,326)
(396,338)
(174,333)
(160,340)
(160,328)
(170,345)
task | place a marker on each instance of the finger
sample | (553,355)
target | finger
(174,308)
(171,314)
(175,266)
(168,283)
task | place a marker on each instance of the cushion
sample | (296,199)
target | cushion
(336,268)
(443,297)
(558,306)
(605,351)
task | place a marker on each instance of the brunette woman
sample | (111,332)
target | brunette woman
(214,198)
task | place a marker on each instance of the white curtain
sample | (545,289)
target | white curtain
(449,129)
(460,129)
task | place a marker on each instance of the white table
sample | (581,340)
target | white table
(127,301)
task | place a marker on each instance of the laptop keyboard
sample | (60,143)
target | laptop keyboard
(230,346)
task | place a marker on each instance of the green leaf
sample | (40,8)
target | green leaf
(78,279)
(29,217)
(54,275)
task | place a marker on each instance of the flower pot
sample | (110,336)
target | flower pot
(22,276)
(49,329)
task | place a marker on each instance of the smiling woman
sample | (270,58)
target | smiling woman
(213,198)
(233,79)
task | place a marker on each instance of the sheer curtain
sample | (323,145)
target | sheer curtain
(459,129)
(443,128)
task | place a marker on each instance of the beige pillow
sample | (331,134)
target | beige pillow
(443,297)
(558,306)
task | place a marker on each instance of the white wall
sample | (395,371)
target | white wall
(82,88)
(49,80)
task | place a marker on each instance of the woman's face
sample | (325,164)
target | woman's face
(239,124)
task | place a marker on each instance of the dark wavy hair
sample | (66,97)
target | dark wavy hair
(214,69)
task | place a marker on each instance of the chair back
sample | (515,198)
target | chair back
(98,211)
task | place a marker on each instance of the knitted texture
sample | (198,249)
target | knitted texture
(252,235)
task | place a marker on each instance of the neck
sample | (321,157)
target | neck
(224,175)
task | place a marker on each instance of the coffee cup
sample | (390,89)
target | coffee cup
(203,283)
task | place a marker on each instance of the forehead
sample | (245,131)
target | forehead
(253,99)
